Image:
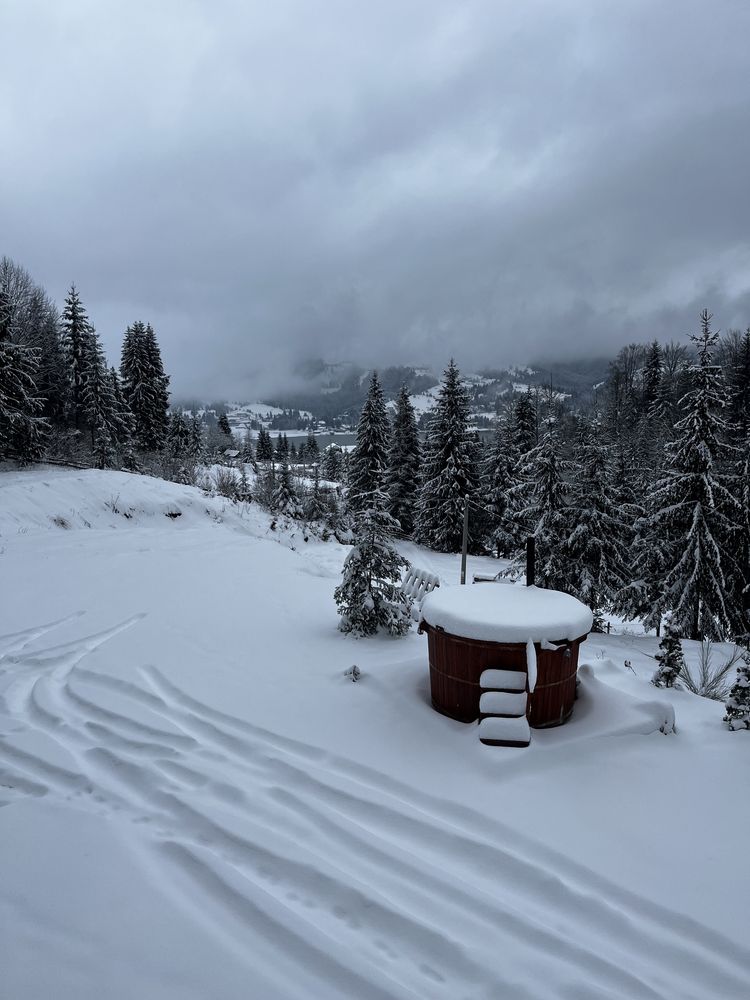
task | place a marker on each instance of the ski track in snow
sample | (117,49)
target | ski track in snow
(339,873)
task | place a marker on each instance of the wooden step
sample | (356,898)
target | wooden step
(496,731)
(503,680)
(507,703)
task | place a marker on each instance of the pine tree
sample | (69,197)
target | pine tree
(224,425)
(596,546)
(77,345)
(525,423)
(369,597)
(402,476)
(652,377)
(738,702)
(369,459)
(248,452)
(692,509)
(22,427)
(544,510)
(312,451)
(264,447)
(197,437)
(145,386)
(160,384)
(449,470)
(315,506)
(333,463)
(739,390)
(670,658)
(98,404)
(498,478)
(122,421)
(284,499)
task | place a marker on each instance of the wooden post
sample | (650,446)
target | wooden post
(530,560)
(465,540)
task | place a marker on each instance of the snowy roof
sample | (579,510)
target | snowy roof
(505,612)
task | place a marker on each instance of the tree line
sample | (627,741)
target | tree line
(639,503)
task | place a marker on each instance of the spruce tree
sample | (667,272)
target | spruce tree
(595,547)
(449,470)
(264,447)
(369,596)
(543,499)
(333,463)
(145,386)
(98,405)
(402,475)
(77,345)
(248,451)
(284,499)
(312,451)
(22,427)
(224,426)
(739,390)
(692,508)
(498,479)
(525,423)
(315,506)
(738,701)
(369,459)
(670,657)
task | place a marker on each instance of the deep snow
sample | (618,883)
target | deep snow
(199,803)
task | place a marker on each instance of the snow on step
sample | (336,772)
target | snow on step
(503,703)
(498,730)
(506,680)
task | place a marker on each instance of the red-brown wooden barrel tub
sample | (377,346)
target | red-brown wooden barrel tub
(457,663)
(466,631)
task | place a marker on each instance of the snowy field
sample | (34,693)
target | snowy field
(198,804)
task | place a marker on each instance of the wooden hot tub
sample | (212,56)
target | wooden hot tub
(466,627)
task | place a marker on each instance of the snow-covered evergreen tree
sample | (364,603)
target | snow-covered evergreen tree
(145,386)
(692,510)
(284,499)
(224,426)
(402,476)
(544,510)
(22,426)
(312,450)
(525,426)
(333,463)
(449,470)
(498,479)
(596,546)
(248,451)
(315,506)
(670,657)
(739,390)
(369,596)
(98,404)
(77,334)
(369,458)
(264,446)
(738,701)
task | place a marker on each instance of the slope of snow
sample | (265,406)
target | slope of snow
(197,801)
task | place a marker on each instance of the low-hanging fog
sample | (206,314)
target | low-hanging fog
(379,182)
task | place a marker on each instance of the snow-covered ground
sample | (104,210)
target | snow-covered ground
(198,803)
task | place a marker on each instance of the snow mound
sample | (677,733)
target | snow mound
(54,499)
(507,613)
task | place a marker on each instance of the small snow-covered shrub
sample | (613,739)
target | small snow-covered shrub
(738,702)
(670,658)
(369,597)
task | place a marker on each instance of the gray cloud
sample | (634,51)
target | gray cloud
(379,182)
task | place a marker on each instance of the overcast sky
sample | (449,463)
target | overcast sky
(379,180)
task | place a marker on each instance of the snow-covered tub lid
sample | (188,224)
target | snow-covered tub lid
(494,612)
